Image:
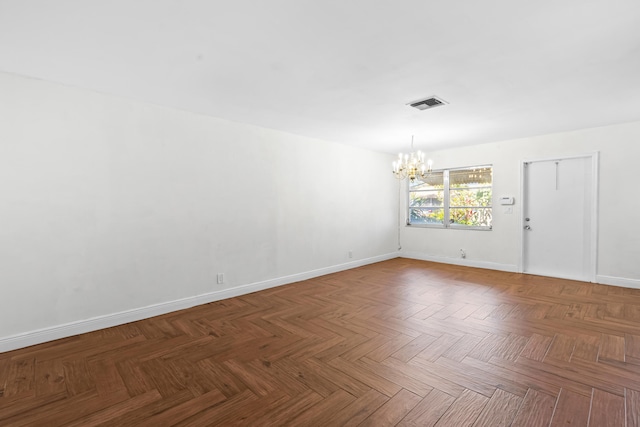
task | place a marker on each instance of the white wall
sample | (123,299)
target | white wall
(619,204)
(109,205)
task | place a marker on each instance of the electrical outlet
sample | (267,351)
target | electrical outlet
(220,278)
(463,254)
(351,253)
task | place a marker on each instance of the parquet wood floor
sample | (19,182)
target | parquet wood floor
(401,342)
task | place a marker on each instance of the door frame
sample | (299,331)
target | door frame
(595,161)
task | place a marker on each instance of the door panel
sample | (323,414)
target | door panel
(557,218)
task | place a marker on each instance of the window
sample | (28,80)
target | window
(452,198)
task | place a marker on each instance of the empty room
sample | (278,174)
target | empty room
(319,213)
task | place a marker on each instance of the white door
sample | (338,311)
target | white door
(559,218)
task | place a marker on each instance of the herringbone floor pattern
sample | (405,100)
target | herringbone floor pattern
(401,342)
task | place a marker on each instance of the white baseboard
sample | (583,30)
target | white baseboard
(602,279)
(461,261)
(618,281)
(88,325)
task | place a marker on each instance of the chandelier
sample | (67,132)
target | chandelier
(412,165)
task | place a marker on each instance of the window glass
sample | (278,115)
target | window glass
(426,199)
(453,198)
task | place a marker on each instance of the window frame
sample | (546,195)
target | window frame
(446,224)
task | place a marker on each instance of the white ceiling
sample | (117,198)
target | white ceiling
(343,70)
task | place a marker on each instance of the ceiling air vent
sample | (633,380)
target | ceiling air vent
(425,104)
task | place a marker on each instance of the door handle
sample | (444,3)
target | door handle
(527,227)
